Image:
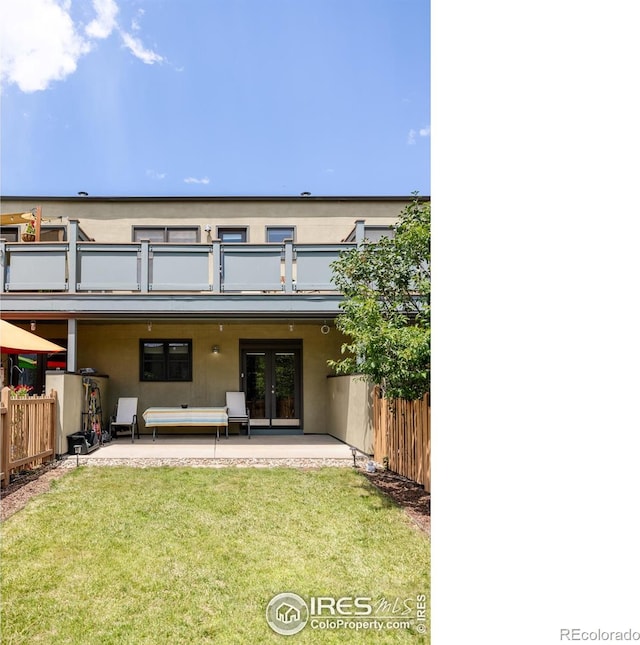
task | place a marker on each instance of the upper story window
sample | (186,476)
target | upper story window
(47,233)
(372,233)
(232,233)
(280,233)
(53,234)
(165,360)
(184,234)
(10,233)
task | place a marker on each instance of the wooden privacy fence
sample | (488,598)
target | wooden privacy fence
(28,432)
(402,436)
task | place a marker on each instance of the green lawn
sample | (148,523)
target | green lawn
(193,555)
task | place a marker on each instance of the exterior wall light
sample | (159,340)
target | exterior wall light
(325,329)
(215,349)
(33,325)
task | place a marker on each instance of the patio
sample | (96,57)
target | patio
(173,446)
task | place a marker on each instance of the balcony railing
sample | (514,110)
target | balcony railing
(149,267)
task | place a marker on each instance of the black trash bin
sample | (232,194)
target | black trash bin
(86,443)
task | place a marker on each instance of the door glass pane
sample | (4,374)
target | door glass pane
(27,370)
(284,365)
(57,361)
(256,385)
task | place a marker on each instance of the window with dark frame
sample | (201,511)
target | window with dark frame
(183,234)
(280,233)
(166,360)
(10,233)
(232,233)
(47,233)
(53,234)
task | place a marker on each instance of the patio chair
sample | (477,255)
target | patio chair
(237,410)
(126,417)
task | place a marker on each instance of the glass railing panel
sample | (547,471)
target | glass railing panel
(174,267)
(108,267)
(313,265)
(36,267)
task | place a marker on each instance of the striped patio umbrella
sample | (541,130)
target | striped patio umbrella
(14,340)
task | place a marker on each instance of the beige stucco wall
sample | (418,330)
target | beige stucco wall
(349,411)
(321,220)
(71,393)
(113,349)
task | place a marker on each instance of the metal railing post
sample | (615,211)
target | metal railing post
(72,345)
(72,257)
(288,266)
(217,266)
(144,266)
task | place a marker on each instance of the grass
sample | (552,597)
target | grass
(193,555)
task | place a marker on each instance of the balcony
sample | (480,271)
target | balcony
(237,276)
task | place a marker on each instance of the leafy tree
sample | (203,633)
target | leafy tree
(386,309)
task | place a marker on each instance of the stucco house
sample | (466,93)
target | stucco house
(177,300)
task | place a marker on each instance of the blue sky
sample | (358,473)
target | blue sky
(215,97)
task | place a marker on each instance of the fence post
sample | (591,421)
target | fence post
(53,416)
(6,436)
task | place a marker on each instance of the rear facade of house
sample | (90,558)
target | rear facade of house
(179,300)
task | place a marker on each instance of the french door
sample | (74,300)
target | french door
(271,379)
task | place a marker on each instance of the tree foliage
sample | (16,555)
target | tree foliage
(386,309)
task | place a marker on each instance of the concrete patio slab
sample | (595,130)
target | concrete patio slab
(235,447)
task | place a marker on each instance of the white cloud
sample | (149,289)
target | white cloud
(135,25)
(41,43)
(193,180)
(139,51)
(422,132)
(105,22)
(154,174)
